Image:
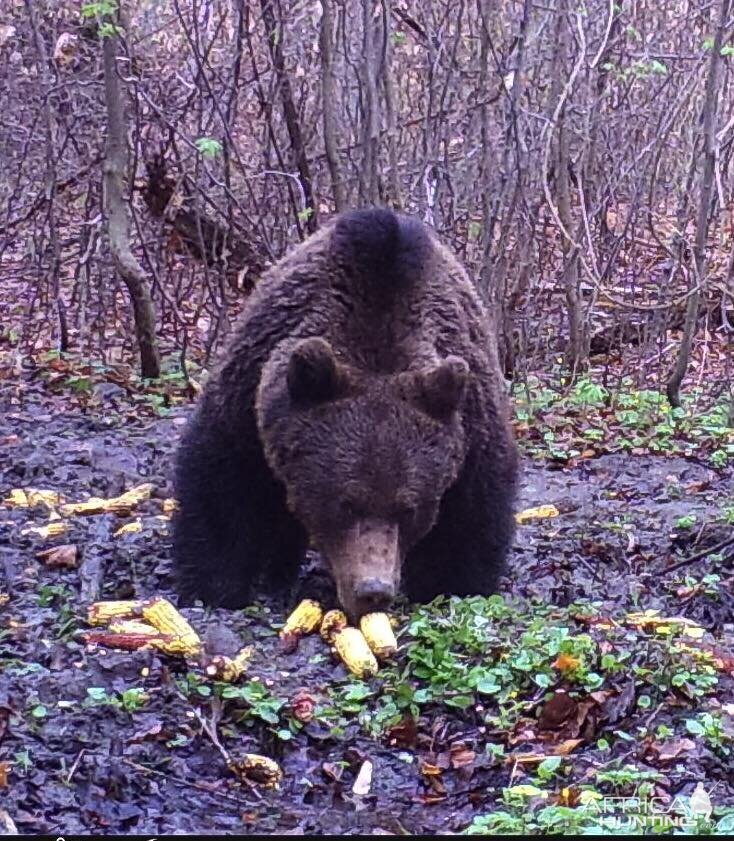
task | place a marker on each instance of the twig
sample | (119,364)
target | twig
(702,554)
(75,765)
(206,787)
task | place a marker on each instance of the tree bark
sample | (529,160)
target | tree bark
(329,100)
(115,182)
(705,199)
(370,133)
(52,185)
(576,353)
(388,87)
(274,32)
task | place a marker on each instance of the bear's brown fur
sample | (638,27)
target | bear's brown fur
(360,404)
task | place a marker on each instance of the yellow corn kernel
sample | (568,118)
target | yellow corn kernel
(101,613)
(333,621)
(166,619)
(258,769)
(305,619)
(379,634)
(352,647)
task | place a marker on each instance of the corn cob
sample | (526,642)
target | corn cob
(124,504)
(31,497)
(229,669)
(53,529)
(170,505)
(101,613)
(120,505)
(166,619)
(17,498)
(177,646)
(305,619)
(258,769)
(137,640)
(333,621)
(132,626)
(379,634)
(129,528)
(94,505)
(127,641)
(542,512)
(38,497)
(352,647)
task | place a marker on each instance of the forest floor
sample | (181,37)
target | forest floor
(601,674)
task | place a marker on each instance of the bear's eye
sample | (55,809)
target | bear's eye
(402,511)
(351,508)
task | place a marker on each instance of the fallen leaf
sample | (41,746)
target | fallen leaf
(60,557)
(619,705)
(302,706)
(566,747)
(7,825)
(404,733)
(332,770)
(428,769)
(673,749)
(556,711)
(363,783)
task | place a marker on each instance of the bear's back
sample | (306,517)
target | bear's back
(382,289)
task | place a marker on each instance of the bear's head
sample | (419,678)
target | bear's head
(365,459)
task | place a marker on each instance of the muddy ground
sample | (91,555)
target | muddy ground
(70,767)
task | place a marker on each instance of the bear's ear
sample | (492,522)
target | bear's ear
(440,390)
(313,372)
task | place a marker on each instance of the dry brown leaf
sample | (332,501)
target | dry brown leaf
(60,557)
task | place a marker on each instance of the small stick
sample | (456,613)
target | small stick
(206,787)
(75,765)
(702,554)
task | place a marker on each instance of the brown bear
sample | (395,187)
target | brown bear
(360,406)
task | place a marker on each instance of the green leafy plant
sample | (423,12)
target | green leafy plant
(208,147)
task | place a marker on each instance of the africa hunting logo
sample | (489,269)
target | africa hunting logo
(638,813)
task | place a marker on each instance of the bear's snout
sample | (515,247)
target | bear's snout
(366,566)
(373,594)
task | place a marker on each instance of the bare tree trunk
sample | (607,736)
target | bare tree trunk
(576,352)
(51,179)
(115,180)
(274,30)
(370,133)
(388,86)
(329,100)
(704,207)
